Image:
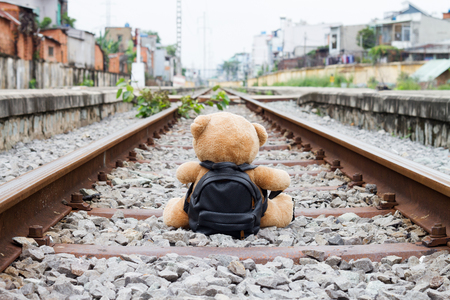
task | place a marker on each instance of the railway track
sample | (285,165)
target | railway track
(405,203)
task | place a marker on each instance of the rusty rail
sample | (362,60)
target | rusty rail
(422,193)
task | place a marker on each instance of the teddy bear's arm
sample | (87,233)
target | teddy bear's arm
(271,179)
(188,172)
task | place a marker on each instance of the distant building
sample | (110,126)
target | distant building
(118,63)
(301,38)
(13,42)
(53,9)
(81,48)
(119,34)
(60,35)
(261,58)
(343,39)
(410,27)
(50,49)
(99,58)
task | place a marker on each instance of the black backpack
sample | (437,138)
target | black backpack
(225,201)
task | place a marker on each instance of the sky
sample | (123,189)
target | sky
(231,24)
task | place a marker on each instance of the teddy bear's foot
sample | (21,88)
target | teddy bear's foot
(174,215)
(279,212)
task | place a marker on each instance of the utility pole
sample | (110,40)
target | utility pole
(178,52)
(204,28)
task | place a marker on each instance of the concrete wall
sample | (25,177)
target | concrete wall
(35,114)
(361,73)
(16,74)
(81,48)
(422,116)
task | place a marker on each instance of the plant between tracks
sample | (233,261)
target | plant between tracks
(148,102)
(221,100)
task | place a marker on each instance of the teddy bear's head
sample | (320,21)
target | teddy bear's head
(225,136)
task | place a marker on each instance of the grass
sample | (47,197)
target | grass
(315,81)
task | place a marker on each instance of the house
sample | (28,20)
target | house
(261,53)
(435,72)
(99,58)
(428,51)
(343,39)
(410,27)
(146,59)
(121,34)
(118,63)
(13,42)
(53,9)
(301,38)
(60,35)
(50,49)
(80,48)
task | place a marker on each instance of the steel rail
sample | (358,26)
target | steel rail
(37,197)
(422,193)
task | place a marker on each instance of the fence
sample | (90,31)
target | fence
(17,74)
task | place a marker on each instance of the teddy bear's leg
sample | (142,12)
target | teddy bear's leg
(174,214)
(279,212)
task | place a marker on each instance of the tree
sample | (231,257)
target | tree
(367,35)
(108,46)
(171,49)
(392,53)
(150,32)
(68,20)
(45,23)
(230,67)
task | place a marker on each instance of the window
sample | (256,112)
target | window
(50,51)
(402,32)
(334,41)
(406,33)
(119,37)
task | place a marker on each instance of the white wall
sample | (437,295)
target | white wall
(81,48)
(46,8)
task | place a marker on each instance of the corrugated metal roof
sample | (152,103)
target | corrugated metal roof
(5,15)
(431,70)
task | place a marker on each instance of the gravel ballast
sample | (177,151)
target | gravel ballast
(437,158)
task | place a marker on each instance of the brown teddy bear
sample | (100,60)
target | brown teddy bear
(226,137)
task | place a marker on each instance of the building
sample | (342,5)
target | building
(50,49)
(60,35)
(436,50)
(410,27)
(53,9)
(121,34)
(301,38)
(118,63)
(80,48)
(343,39)
(13,42)
(262,58)
(99,58)
(435,72)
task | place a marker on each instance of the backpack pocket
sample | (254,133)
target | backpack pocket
(226,222)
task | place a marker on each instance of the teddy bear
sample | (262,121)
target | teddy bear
(226,137)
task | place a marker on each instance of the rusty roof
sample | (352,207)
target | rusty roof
(5,15)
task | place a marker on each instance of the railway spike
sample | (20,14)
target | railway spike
(36,232)
(283,131)
(388,201)
(307,147)
(290,135)
(77,202)
(161,131)
(150,141)
(357,180)
(119,163)
(336,164)
(142,147)
(156,135)
(437,237)
(102,176)
(132,155)
(320,154)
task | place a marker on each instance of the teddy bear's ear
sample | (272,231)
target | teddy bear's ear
(262,134)
(199,125)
